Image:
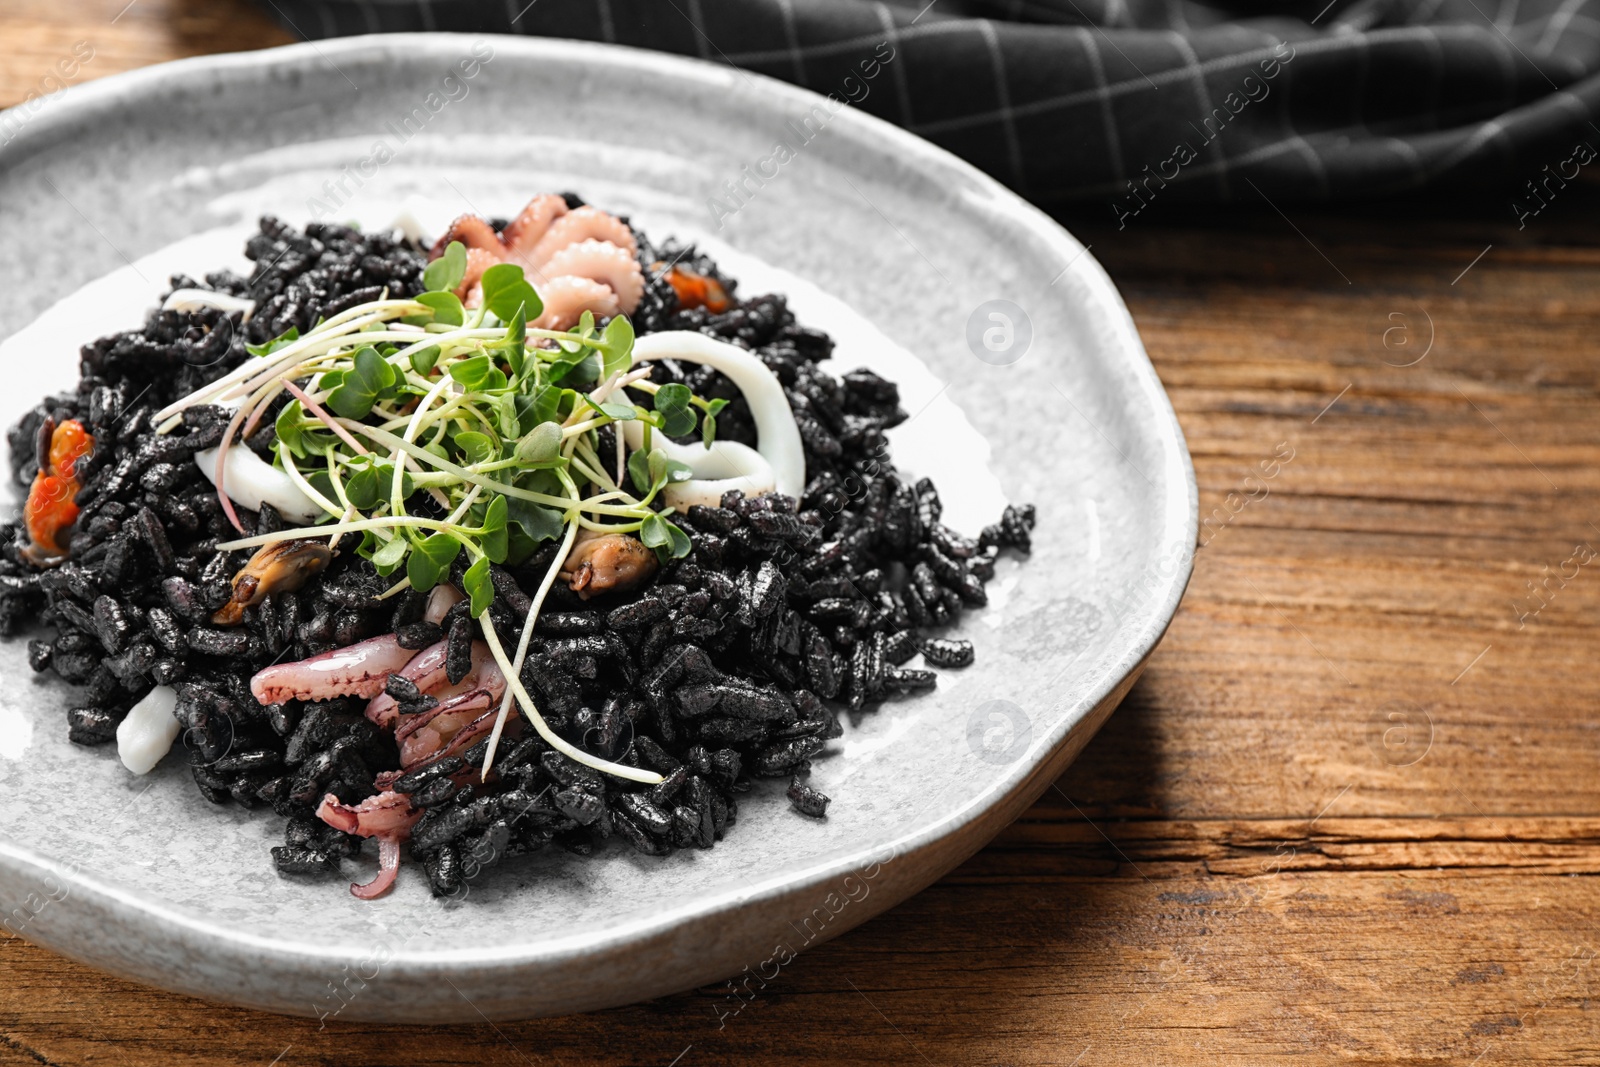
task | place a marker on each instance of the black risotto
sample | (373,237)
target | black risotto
(780,619)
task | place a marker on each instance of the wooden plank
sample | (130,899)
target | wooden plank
(995,968)
(43,39)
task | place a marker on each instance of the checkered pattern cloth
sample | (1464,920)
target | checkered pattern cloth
(1123,100)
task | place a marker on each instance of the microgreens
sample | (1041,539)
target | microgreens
(435,432)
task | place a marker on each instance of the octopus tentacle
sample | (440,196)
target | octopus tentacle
(566,299)
(603,262)
(470,230)
(583,224)
(388,816)
(478,261)
(360,670)
(444,724)
(523,232)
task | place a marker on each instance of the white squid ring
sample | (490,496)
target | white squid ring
(778,461)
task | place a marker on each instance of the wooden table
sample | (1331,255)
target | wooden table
(1349,813)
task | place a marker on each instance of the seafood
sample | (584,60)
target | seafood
(252,481)
(582,260)
(739,605)
(149,730)
(428,671)
(777,435)
(52,506)
(195,299)
(440,601)
(583,224)
(357,671)
(387,816)
(601,262)
(607,563)
(524,231)
(694,290)
(566,299)
(453,725)
(276,568)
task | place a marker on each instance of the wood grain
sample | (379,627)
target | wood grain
(1253,861)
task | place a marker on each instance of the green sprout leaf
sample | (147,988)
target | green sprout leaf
(283,340)
(446,306)
(541,446)
(505,291)
(708,425)
(517,335)
(619,411)
(536,522)
(681,545)
(430,560)
(639,471)
(366,488)
(289,431)
(446,272)
(372,379)
(504,409)
(476,447)
(619,347)
(672,405)
(471,372)
(479,586)
(661,535)
(678,472)
(654,532)
(423,360)
(495,541)
(387,559)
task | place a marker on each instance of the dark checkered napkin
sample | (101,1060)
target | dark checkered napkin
(1122,101)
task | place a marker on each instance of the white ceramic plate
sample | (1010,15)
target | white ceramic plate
(876,235)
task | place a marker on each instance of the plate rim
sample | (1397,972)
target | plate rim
(85,103)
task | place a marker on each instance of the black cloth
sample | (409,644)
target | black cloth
(1126,101)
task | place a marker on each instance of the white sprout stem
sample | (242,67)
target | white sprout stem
(261,409)
(397,483)
(366,309)
(592,473)
(240,416)
(384,522)
(306,487)
(524,640)
(554,740)
(622,450)
(433,490)
(466,504)
(389,440)
(323,417)
(306,362)
(398,587)
(250,369)
(581,428)
(609,527)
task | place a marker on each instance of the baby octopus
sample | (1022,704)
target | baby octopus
(579,260)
